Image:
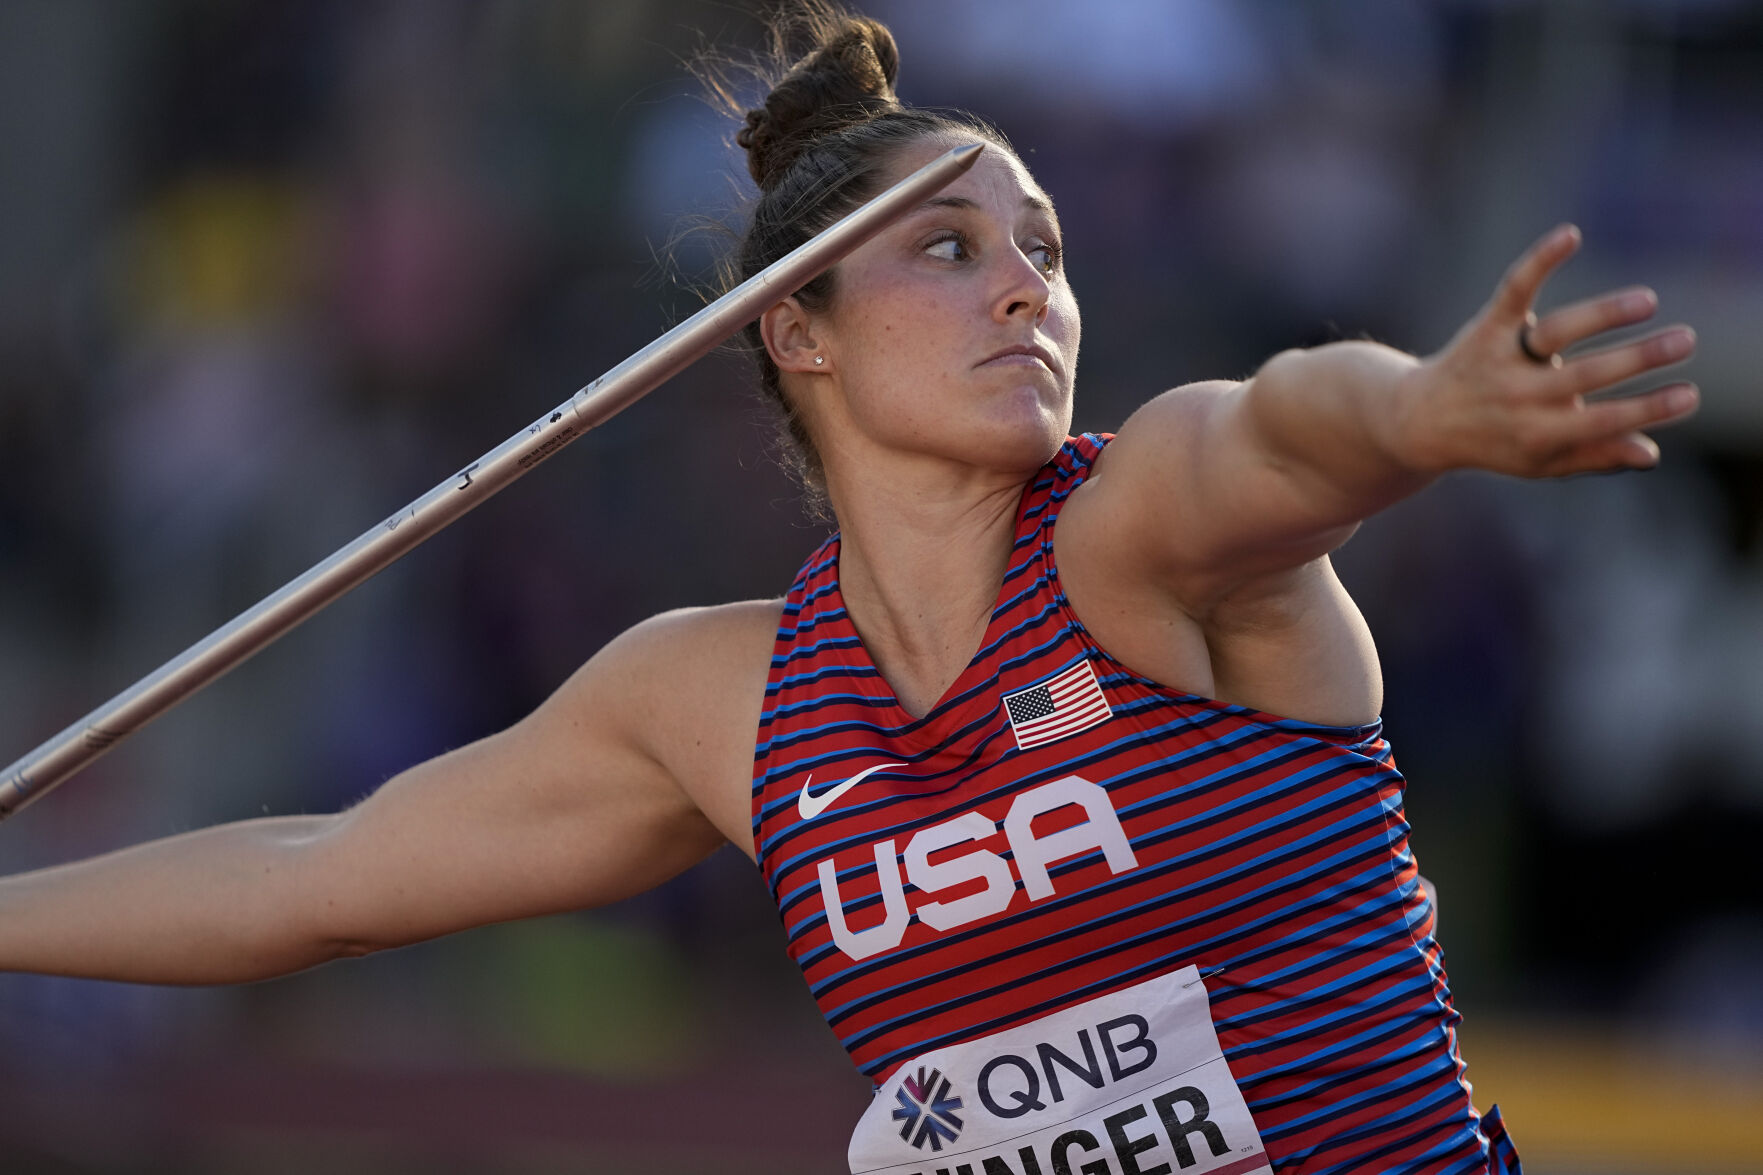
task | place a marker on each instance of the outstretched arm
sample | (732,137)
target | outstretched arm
(1248,480)
(569,808)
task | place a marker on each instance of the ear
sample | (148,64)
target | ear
(790,338)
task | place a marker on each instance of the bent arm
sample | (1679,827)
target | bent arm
(561,811)
(1247,479)
(1233,483)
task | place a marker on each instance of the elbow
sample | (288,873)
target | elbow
(1272,402)
(329,940)
(333,929)
(353,949)
(325,899)
(1299,371)
(1279,375)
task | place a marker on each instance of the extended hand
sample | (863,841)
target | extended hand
(1483,403)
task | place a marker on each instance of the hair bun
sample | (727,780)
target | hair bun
(846,78)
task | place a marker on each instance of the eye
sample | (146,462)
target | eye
(1045,258)
(950,248)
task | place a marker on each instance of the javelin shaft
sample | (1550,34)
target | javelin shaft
(43,769)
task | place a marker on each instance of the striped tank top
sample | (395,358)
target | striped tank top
(1059,827)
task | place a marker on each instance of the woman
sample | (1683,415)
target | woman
(1091,850)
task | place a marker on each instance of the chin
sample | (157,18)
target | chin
(1026,438)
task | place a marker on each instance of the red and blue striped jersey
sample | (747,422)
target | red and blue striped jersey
(946,877)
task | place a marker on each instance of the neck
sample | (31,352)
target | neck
(920,569)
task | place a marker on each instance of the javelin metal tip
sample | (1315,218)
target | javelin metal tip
(968,154)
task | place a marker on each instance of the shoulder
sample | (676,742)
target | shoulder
(687,688)
(1154,439)
(1134,503)
(728,635)
(707,662)
(1146,559)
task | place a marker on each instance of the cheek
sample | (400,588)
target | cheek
(912,330)
(1070,323)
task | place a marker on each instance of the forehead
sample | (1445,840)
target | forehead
(998,180)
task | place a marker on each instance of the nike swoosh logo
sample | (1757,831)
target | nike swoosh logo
(812,806)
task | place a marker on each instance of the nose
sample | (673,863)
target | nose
(1024,292)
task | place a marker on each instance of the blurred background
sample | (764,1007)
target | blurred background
(270,270)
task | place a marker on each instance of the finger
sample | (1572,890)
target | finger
(1630,451)
(1614,420)
(1612,365)
(1561,329)
(1519,288)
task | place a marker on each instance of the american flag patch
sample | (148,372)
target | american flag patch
(1057,707)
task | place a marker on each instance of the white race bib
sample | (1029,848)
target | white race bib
(1132,1083)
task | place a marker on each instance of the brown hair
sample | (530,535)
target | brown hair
(819,146)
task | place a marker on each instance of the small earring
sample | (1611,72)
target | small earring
(819,360)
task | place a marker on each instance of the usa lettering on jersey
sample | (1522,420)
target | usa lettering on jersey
(1033,854)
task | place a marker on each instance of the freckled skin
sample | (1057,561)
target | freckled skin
(917,313)
(1197,552)
(937,380)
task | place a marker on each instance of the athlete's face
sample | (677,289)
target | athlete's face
(954,333)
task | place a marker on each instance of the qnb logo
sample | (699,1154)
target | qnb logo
(1033,856)
(927,1112)
(1011,1085)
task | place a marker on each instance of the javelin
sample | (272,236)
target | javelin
(40,771)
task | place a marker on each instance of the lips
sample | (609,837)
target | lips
(1024,353)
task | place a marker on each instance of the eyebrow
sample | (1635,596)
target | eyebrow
(1034,202)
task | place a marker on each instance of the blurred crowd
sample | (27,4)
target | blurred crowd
(270,270)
